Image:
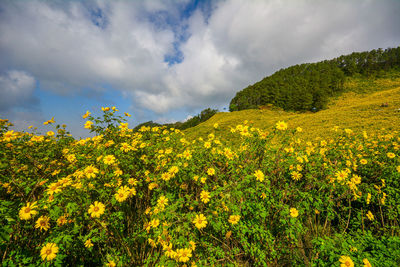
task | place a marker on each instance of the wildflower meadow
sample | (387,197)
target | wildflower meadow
(154,197)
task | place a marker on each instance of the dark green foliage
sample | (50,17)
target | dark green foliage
(202,117)
(146,124)
(308,86)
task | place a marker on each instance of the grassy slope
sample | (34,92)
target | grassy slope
(358,110)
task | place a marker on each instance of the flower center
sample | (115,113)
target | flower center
(48,251)
(96,209)
(27,210)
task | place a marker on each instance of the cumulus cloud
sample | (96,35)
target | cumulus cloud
(68,46)
(244,41)
(67,50)
(16,90)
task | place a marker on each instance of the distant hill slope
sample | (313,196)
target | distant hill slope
(364,108)
(308,87)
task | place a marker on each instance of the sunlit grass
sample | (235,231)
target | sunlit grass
(359,111)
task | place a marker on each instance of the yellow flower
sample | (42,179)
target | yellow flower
(61,220)
(200,221)
(71,158)
(90,171)
(346,261)
(86,114)
(234,219)
(152,186)
(88,243)
(383,199)
(53,188)
(187,154)
(49,251)
(109,159)
(132,181)
(368,198)
(370,216)
(50,133)
(88,124)
(96,209)
(296,175)
(366,263)
(299,129)
(127,114)
(341,175)
(162,201)
(363,161)
(122,194)
(193,245)
(118,172)
(173,170)
(391,155)
(183,254)
(154,223)
(111,263)
(215,125)
(348,131)
(205,196)
(132,191)
(125,147)
(211,171)
(166,176)
(281,125)
(43,223)
(49,121)
(207,144)
(294,212)
(259,175)
(105,109)
(26,212)
(398,168)
(169,252)
(356,179)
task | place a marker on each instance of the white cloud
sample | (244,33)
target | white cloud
(68,46)
(244,41)
(63,46)
(16,90)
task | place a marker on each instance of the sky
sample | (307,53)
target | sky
(166,60)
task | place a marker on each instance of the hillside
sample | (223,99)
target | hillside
(360,109)
(309,86)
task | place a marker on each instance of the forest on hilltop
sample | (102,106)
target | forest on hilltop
(307,87)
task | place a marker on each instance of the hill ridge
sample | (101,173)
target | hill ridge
(350,110)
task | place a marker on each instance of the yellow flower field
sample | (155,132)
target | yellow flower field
(161,197)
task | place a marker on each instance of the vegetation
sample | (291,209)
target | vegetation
(196,120)
(362,107)
(308,87)
(152,197)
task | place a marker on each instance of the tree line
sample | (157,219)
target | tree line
(307,87)
(199,118)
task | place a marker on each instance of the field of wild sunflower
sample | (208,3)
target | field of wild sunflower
(157,198)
